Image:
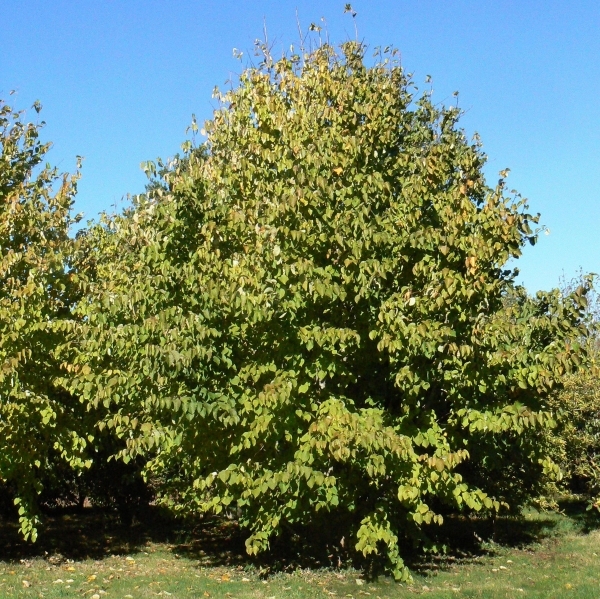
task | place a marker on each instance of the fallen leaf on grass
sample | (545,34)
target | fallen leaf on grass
(26,584)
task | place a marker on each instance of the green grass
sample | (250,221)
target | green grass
(539,555)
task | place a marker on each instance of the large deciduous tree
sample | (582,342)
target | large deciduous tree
(40,423)
(313,314)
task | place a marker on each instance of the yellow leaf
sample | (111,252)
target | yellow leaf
(338,170)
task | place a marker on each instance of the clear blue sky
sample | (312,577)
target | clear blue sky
(119,81)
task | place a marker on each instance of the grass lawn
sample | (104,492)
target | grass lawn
(540,555)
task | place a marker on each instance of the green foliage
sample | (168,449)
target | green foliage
(312,314)
(578,435)
(576,440)
(40,423)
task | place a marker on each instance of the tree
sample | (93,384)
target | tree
(40,423)
(575,442)
(313,315)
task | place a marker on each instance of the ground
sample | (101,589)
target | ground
(539,554)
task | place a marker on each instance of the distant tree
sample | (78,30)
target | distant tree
(575,442)
(312,319)
(40,423)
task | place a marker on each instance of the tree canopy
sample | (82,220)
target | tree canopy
(312,315)
(40,422)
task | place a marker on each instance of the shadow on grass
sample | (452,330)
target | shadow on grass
(587,520)
(463,539)
(95,534)
(468,539)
